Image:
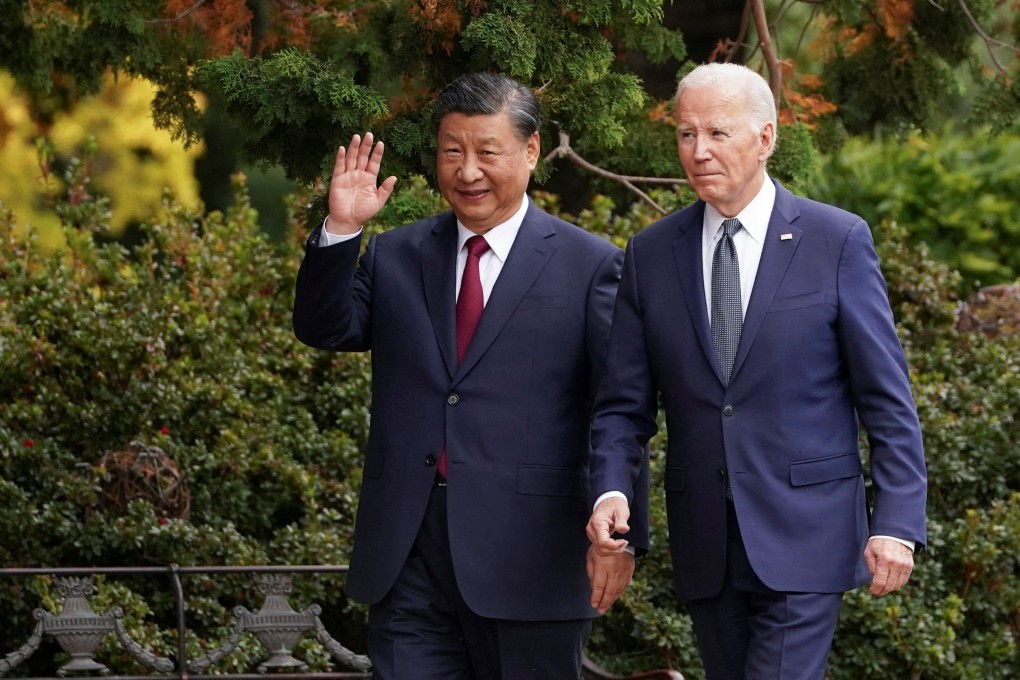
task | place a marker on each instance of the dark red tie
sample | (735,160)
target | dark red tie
(470,303)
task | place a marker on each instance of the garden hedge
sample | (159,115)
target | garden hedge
(184,343)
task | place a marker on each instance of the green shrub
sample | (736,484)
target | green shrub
(184,342)
(956,192)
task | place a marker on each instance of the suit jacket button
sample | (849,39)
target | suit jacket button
(727,410)
(721,474)
(430,459)
(453,399)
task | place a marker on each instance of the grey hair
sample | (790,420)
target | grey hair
(761,105)
(487,94)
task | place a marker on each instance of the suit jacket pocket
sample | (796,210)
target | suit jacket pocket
(543,480)
(675,480)
(797,301)
(820,470)
(373,463)
(543,302)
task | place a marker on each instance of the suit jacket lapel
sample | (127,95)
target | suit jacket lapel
(687,254)
(438,270)
(775,259)
(529,254)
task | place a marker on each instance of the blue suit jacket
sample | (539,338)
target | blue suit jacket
(515,416)
(818,351)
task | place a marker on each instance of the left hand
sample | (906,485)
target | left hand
(609,576)
(890,563)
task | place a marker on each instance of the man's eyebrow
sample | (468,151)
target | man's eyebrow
(711,125)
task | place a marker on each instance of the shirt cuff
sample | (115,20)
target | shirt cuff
(328,239)
(608,494)
(614,494)
(909,544)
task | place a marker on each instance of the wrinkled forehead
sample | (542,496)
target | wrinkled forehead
(711,110)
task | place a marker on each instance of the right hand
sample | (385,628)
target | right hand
(354,197)
(610,517)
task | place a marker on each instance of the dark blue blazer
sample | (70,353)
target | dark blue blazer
(817,353)
(515,416)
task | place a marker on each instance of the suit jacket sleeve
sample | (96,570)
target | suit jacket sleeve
(880,385)
(333,295)
(625,410)
(601,297)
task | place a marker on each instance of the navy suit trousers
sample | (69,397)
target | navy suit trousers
(424,630)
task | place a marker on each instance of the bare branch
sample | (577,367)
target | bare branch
(180,16)
(989,40)
(733,45)
(564,150)
(541,88)
(768,49)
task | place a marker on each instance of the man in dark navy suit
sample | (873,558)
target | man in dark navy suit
(488,328)
(761,320)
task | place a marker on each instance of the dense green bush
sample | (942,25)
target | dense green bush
(956,192)
(184,342)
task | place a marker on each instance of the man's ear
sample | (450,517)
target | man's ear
(768,141)
(534,148)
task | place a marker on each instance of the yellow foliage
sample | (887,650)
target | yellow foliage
(133,165)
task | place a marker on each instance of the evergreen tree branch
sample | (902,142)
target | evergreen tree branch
(564,150)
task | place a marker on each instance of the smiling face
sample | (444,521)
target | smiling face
(723,156)
(483,167)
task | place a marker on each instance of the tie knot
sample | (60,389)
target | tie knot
(476,245)
(731,226)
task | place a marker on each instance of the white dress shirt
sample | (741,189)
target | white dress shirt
(500,239)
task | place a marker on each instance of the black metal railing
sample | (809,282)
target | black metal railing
(79,630)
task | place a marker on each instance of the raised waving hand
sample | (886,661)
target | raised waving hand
(354,195)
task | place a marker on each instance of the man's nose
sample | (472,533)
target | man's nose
(469,170)
(702,148)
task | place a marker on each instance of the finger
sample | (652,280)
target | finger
(871,561)
(888,580)
(606,519)
(375,158)
(605,598)
(340,162)
(879,578)
(351,157)
(601,536)
(617,581)
(386,188)
(365,151)
(598,589)
(621,517)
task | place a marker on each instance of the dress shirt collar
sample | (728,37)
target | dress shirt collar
(501,237)
(754,217)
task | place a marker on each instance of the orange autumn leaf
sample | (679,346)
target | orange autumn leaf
(662,113)
(440,21)
(897,17)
